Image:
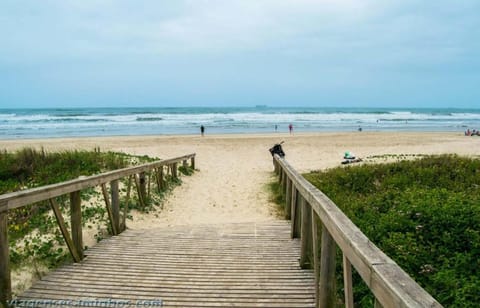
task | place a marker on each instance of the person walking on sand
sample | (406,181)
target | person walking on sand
(290,128)
(202,130)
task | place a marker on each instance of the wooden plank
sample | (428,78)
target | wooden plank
(76,221)
(327,270)
(242,265)
(18,199)
(5,279)
(106,197)
(174,170)
(64,230)
(115,205)
(192,162)
(306,236)
(288,199)
(149,176)
(297,215)
(347,282)
(142,186)
(125,206)
(139,192)
(316,259)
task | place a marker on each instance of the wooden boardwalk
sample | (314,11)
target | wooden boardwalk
(237,265)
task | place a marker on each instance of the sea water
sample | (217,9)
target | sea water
(42,123)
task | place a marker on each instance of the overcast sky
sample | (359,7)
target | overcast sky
(361,53)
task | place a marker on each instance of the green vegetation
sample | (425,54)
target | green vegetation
(33,232)
(424,214)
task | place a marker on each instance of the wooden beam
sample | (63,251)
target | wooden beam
(192,162)
(139,193)
(297,215)
(115,205)
(142,187)
(5,278)
(347,282)
(106,197)
(327,270)
(174,170)
(64,230)
(125,206)
(288,200)
(306,236)
(76,221)
(316,259)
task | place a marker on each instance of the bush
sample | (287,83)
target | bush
(424,214)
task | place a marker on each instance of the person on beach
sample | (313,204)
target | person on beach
(290,128)
(202,130)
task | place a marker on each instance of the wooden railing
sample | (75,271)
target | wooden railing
(136,174)
(308,207)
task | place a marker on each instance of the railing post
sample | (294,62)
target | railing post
(184,164)
(347,282)
(115,205)
(306,237)
(280,174)
(316,259)
(296,214)
(5,278)
(327,270)
(143,186)
(288,199)
(174,171)
(63,229)
(76,221)
(192,162)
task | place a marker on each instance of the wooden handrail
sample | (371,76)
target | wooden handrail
(391,286)
(18,199)
(74,242)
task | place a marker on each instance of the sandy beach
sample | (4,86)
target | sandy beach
(234,169)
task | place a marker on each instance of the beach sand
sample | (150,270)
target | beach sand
(234,170)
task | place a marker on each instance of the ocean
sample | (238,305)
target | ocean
(66,122)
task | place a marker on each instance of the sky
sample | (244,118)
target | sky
(325,53)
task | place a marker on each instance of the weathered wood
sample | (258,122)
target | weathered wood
(327,270)
(149,176)
(161,178)
(64,230)
(347,282)
(316,259)
(143,190)
(106,197)
(280,175)
(139,192)
(18,199)
(5,279)
(76,221)
(174,170)
(115,205)
(306,236)
(192,162)
(288,199)
(297,215)
(127,201)
(364,256)
(185,164)
(241,265)
(377,304)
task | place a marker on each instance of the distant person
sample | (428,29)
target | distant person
(359,128)
(290,128)
(276,127)
(202,130)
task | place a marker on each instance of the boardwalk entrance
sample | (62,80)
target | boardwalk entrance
(235,265)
